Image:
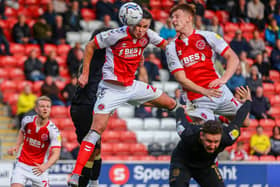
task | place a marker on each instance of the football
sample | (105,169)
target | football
(130,14)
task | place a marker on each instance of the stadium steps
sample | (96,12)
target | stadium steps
(8,135)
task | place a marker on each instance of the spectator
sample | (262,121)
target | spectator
(50,89)
(2,9)
(254,80)
(277,15)
(42,33)
(49,15)
(26,102)
(167,31)
(60,6)
(59,31)
(245,67)
(199,8)
(51,67)
(33,67)
(198,23)
(215,26)
(239,43)
(257,44)
(69,90)
(223,156)
(180,97)
(108,23)
(236,80)
(239,12)
(263,67)
(275,141)
(239,153)
(275,56)
(270,9)
(21,31)
(272,32)
(72,18)
(74,64)
(169,147)
(152,68)
(72,51)
(4,41)
(260,105)
(155,149)
(104,7)
(256,13)
(259,142)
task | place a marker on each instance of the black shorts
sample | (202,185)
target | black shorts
(180,175)
(82,118)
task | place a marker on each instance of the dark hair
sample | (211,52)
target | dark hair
(273,130)
(259,126)
(184,7)
(212,127)
(147,14)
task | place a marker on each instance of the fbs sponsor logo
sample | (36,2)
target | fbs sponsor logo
(119,174)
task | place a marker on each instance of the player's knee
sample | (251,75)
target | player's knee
(99,124)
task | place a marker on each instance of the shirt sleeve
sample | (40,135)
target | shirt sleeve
(155,39)
(218,44)
(173,61)
(55,137)
(109,38)
(25,121)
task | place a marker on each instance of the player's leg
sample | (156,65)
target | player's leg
(179,175)
(209,176)
(109,98)
(95,171)
(40,181)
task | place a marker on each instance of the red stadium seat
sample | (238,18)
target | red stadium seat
(253,158)
(8,61)
(69,146)
(267,158)
(59,112)
(275,112)
(138,149)
(117,124)
(121,149)
(63,49)
(163,16)
(155,4)
(267,123)
(87,14)
(112,157)
(17,49)
(277,88)
(37,86)
(11,98)
(167,4)
(10,12)
(66,124)
(245,136)
(107,149)
(278,158)
(164,158)
(29,47)
(10,22)
(57,122)
(268,49)
(30,2)
(63,71)
(254,122)
(268,89)
(128,137)
(223,16)
(60,84)
(275,100)
(247,27)
(35,11)
(61,61)
(8,86)
(30,22)
(20,61)
(231,27)
(209,14)
(4,74)
(21,84)
(16,74)
(111,136)
(49,47)
(274,75)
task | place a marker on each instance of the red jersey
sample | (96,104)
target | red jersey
(123,52)
(196,56)
(37,140)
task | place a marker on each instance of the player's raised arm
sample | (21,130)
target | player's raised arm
(89,51)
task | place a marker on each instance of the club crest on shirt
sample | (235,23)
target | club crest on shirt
(101,106)
(143,42)
(44,137)
(200,44)
(234,134)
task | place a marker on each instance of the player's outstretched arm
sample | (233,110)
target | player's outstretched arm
(89,51)
(243,111)
(20,139)
(41,168)
(232,64)
(191,86)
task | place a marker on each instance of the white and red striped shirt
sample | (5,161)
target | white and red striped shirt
(196,56)
(123,52)
(37,140)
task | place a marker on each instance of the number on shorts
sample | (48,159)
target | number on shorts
(153,88)
(45,183)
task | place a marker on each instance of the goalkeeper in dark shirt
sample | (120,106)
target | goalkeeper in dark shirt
(195,154)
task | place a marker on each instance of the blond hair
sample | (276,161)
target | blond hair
(42,98)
